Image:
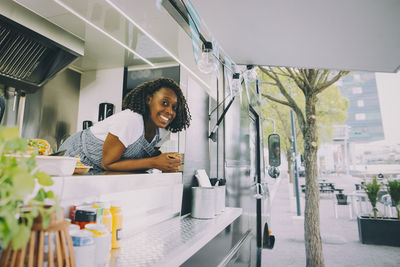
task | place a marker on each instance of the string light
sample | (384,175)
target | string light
(250,74)
(207,62)
(236,84)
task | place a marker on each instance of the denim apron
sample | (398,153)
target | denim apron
(90,148)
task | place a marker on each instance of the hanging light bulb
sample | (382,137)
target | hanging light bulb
(250,74)
(207,62)
(236,84)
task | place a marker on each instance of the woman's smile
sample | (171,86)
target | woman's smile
(165,119)
(162,105)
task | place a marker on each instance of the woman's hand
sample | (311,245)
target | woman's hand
(113,150)
(168,162)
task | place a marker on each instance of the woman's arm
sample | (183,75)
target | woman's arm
(113,150)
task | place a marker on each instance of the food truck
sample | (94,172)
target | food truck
(66,64)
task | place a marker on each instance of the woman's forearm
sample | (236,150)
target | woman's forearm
(131,164)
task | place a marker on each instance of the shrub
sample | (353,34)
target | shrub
(372,190)
(394,192)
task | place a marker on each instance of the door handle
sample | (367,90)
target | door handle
(259,191)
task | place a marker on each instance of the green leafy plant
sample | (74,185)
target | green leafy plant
(372,190)
(20,199)
(394,192)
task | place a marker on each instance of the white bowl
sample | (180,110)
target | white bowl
(56,165)
(53,165)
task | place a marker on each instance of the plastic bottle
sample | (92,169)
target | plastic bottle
(72,212)
(107,216)
(99,211)
(116,212)
(102,242)
(84,248)
(85,215)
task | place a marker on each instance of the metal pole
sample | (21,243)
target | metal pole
(346,151)
(296,176)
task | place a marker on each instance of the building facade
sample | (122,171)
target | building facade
(364,112)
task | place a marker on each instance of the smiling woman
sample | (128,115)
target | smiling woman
(130,139)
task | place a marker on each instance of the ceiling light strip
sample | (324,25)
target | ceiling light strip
(157,42)
(102,31)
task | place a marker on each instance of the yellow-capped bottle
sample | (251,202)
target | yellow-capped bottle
(116,212)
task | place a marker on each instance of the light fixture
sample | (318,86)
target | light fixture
(250,73)
(207,62)
(236,84)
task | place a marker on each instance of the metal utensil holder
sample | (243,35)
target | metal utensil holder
(203,202)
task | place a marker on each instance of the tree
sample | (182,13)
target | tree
(331,106)
(310,83)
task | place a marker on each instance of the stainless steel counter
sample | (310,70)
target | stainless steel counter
(146,199)
(172,242)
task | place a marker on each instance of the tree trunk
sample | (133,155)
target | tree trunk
(289,156)
(312,235)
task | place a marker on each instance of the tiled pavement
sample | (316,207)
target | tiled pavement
(341,245)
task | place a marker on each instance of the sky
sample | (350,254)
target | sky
(388,85)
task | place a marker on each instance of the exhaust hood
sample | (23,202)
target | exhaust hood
(29,59)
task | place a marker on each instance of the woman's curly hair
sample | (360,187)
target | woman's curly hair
(135,100)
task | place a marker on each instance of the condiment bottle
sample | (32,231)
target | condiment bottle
(72,212)
(84,248)
(102,242)
(116,212)
(85,215)
(107,216)
(99,210)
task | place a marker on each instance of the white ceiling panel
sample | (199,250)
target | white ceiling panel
(349,35)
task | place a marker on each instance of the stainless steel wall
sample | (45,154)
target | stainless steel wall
(235,153)
(52,112)
(197,155)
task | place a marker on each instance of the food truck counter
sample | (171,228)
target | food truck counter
(172,242)
(154,233)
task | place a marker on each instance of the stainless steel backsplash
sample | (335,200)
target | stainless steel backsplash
(51,113)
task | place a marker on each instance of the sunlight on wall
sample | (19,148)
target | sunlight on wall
(389,95)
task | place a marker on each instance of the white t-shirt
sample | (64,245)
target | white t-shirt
(127,125)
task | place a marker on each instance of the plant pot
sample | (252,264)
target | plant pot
(380,231)
(51,246)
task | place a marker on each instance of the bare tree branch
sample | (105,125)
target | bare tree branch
(325,85)
(292,103)
(296,80)
(319,77)
(324,78)
(282,72)
(267,72)
(313,76)
(277,100)
(305,78)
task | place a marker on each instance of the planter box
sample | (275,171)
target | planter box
(379,231)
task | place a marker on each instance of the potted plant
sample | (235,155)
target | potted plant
(21,200)
(394,192)
(372,190)
(378,230)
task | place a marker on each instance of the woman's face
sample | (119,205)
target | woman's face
(162,105)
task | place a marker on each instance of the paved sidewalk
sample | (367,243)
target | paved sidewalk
(341,245)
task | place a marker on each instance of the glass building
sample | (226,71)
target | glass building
(364,113)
